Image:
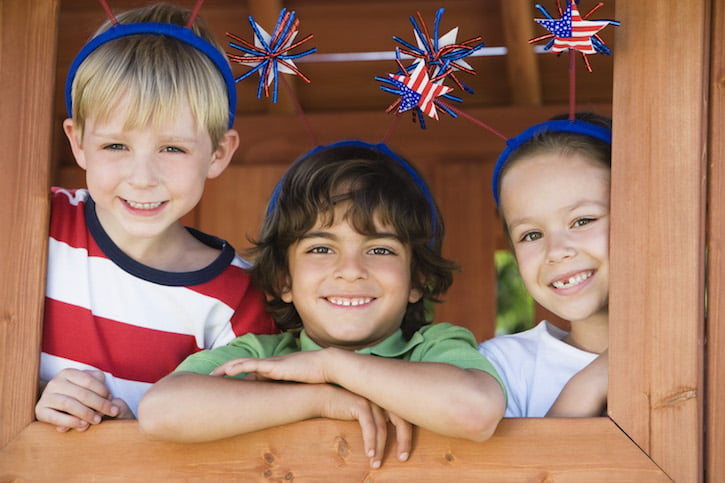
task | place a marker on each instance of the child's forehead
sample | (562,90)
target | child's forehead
(546,183)
(348,213)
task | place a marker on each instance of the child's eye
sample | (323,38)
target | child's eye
(381,251)
(173,149)
(583,221)
(115,147)
(530,236)
(319,250)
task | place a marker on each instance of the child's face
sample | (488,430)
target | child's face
(556,208)
(350,290)
(144,179)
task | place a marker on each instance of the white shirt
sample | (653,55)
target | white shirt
(534,365)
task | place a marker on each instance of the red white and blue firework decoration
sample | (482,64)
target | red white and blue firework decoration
(271,53)
(435,59)
(573,33)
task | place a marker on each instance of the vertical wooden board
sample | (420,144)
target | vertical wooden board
(233,204)
(715,416)
(462,191)
(27,31)
(657,280)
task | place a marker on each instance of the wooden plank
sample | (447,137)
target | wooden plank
(715,414)
(470,214)
(592,450)
(657,250)
(27,31)
(234,204)
(523,71)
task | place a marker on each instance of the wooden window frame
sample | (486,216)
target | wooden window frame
(669,135)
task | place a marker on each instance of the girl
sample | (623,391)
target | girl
(551,185)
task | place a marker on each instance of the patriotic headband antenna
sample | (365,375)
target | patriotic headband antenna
(573,33)
(436,59)
(184,34)
(270,55)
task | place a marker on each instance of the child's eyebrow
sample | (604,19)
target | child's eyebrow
(330,236)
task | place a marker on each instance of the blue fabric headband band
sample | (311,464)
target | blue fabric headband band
(184,34)
(381,148)
(565,126)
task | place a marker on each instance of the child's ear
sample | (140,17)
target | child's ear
(74,135)
(285,292)
(414,295)
(222,156)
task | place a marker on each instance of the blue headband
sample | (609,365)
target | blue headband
(381,148)
(184,34)
(565,126)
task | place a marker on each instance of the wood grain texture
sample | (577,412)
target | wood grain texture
(592,450)
(27,31)
(658,232)
(715,408)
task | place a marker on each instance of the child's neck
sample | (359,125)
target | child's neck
(591,335)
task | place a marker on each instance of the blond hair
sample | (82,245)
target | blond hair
(157,72)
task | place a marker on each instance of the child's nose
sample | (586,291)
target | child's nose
(142,171)
(559,247)
(350,267)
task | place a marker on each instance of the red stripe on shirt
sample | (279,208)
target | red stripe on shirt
(127,351)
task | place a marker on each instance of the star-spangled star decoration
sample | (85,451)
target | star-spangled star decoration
(574,32)
(271,54)
(443,55)
(418,91)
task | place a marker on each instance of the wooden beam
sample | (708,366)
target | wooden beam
(28,31)
(325,450)
(521,63)
(715,415)
(658,231)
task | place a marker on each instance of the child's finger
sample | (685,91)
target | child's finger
(232,367)
(381,435)
(403,436)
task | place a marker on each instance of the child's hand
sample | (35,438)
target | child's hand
(307,366)
(373,421)
(75,399)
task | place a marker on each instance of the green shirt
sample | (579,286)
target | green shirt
(441,342)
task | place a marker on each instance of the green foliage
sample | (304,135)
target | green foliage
(515,306)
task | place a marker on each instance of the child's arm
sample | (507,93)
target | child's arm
(585,395)
(75,399)
(190,407)
(443,398)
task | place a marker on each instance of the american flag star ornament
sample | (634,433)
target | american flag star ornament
(418,91)
(574,32)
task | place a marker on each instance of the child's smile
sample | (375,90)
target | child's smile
(351,290)
(557,210)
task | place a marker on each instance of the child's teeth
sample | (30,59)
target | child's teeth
(575,280)
(143,206)
(349,302)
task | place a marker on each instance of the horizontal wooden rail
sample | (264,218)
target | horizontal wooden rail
(326,450)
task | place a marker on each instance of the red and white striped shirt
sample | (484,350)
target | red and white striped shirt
(106,311)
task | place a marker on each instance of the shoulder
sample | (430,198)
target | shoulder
(444,330)
(526,341)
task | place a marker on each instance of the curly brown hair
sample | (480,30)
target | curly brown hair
(379,185)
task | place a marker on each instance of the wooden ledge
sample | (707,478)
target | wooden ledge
(324,450)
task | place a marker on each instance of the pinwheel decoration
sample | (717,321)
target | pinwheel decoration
(572,32)
(435,59)
(271,54)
